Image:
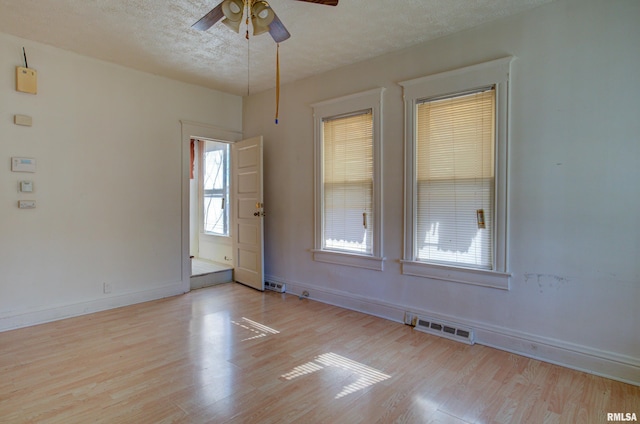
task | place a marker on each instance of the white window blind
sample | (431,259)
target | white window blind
(455,155)
(348,182)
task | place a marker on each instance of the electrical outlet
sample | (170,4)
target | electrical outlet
(106,288)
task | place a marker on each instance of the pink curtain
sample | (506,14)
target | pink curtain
(193,158)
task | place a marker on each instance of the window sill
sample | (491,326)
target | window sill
(348,259)
(476,277)
(217,238)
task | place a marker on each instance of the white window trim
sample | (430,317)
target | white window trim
(223,239)
(496,73)
(203,233)
(371,99)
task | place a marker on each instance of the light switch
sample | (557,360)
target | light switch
(27,204)
(26,186)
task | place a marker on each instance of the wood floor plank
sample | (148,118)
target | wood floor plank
(229,354)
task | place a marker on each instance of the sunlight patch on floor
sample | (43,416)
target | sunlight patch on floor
(258,330)
(367,376)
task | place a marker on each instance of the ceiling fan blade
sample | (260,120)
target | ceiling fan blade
(326,2)
(277,29)
(209,19)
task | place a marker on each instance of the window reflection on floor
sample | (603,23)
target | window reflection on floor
(258,330)
(367,376)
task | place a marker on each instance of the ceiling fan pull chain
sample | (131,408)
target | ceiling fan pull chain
(247,20)
(277,81)
(248,67)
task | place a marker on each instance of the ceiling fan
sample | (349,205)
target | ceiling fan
(263,18)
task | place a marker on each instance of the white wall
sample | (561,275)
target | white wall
(216,249)
(574,222)
(108,185)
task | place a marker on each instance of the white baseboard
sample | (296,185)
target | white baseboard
(582,358)
(58,312)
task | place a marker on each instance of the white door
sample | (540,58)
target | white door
(248,211)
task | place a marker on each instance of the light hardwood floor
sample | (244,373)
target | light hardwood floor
(229,354)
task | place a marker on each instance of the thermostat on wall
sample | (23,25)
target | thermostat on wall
(23,165)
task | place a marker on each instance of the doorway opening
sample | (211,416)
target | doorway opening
(191,130)
(210,243)
(245,258)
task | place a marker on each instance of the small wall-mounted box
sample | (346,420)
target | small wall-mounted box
(26,187)
(26,80)
(23,165)
(23,120)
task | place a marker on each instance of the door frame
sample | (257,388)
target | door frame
(189,130)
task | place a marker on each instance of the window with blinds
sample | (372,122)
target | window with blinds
(455,179)
(347,178)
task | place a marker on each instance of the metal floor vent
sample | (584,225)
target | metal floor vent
(440,328)
(277,287)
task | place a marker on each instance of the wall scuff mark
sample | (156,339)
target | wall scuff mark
(546,280)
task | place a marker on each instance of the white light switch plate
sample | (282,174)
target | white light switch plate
(26,186)
(27,204)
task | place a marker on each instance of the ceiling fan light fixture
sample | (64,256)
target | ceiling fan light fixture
(261,17)
(259,28)
(233,11)
(234,25)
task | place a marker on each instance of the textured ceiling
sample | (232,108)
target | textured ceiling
(156,35)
